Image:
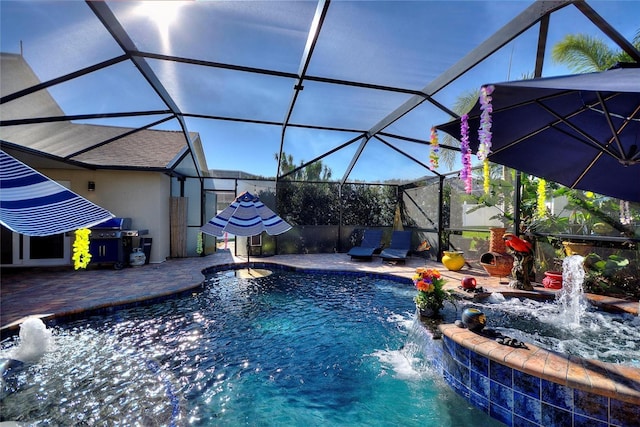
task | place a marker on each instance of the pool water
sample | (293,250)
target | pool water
(613,338)
(289,349)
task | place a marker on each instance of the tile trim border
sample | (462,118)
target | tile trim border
(538,387)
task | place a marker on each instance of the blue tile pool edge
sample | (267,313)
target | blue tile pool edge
(512,397)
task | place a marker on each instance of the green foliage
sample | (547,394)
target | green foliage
(588,209)
(607,267)
(368,205)
(304,203)
(308,201)
(584,54)
(615,274)
(316,171)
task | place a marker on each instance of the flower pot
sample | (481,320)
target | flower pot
(497,262)
(496,242)
(426,312)
(572,248)
(552,279)
(453,260)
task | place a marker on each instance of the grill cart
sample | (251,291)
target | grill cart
(111,242)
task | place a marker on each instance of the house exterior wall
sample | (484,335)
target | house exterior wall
(141,196)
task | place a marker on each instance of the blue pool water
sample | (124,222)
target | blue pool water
(289,349)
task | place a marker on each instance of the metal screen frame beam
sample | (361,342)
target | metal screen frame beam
(312,39)
(108,19)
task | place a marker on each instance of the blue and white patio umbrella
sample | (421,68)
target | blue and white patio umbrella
(246,216)
(34,205)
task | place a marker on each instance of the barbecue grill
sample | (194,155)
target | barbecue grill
(111,242)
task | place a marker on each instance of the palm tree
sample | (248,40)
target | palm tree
(316,171)
(583,53)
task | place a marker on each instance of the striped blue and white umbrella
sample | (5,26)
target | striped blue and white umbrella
(34,205)
(246,216)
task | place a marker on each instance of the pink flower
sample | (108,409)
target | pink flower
(465,173)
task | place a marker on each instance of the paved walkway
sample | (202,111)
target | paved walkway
(51,292)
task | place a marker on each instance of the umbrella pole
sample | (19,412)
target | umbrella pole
(248,253)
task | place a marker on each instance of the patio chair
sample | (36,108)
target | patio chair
(371,244)
(399,247)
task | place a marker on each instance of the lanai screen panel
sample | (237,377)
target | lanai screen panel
(402,44)
(259,34)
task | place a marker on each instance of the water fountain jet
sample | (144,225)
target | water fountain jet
(35,340)
(571,297)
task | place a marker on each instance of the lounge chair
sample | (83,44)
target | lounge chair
(371,243)
(399,247)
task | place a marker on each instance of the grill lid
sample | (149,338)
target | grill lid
(114,224)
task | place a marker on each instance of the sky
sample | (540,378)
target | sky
(396,44)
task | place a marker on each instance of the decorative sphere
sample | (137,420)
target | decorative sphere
(473,319)
(468,282)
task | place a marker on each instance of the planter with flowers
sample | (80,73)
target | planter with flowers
(431,293)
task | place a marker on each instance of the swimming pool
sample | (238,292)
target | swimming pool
(286,349)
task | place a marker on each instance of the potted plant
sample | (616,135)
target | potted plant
(552,279)
(431,293)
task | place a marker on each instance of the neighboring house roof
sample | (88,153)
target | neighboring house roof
(94,146)
(233,174)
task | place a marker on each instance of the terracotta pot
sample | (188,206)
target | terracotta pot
(497,262)
(496,241)
(453,260)
(552,279)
